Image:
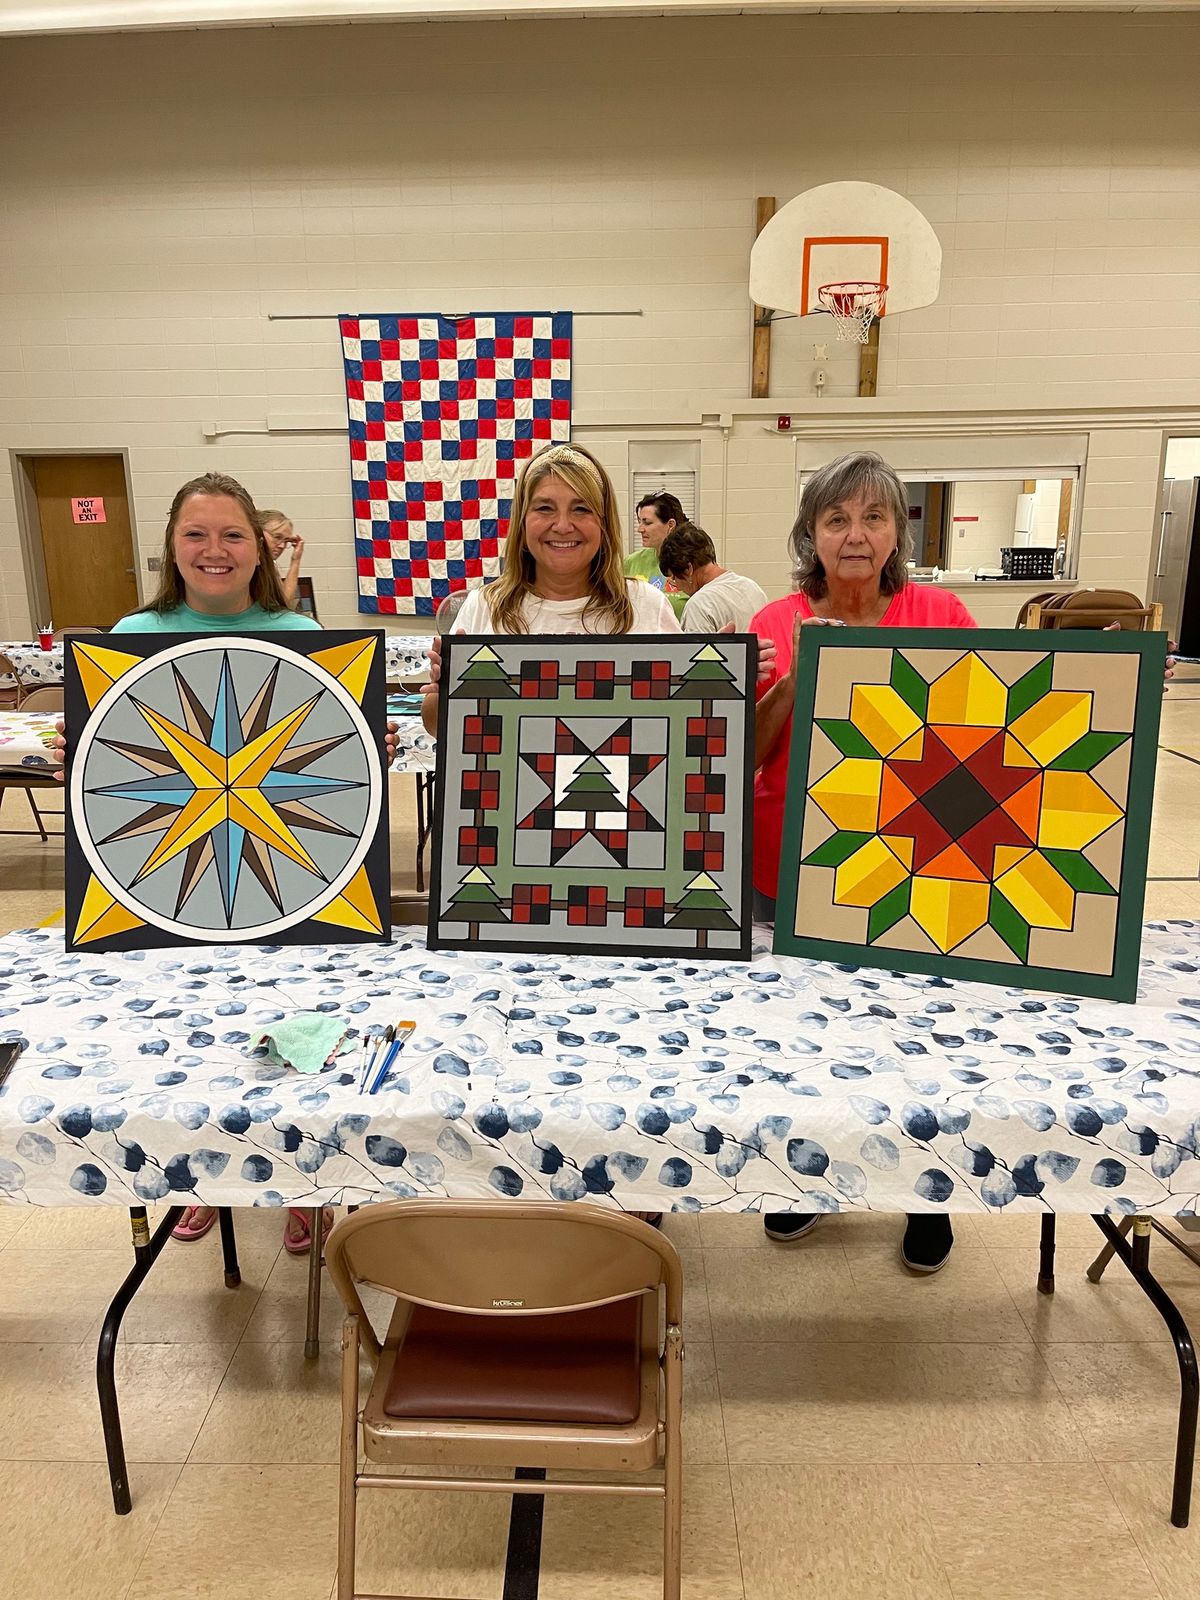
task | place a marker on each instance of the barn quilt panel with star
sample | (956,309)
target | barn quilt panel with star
(972,805)
(226,789)
(594,794)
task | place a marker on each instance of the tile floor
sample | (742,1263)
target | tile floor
(850,1432)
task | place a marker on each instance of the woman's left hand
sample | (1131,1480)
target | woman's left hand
(389,741)
(766,655)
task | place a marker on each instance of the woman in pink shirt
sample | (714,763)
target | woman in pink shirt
(851,546)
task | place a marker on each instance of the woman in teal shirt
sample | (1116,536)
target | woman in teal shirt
(217,574)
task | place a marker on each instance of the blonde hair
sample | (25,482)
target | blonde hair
(269,519)
(265,588)
(584,476)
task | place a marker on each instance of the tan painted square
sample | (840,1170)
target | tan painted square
(857,1533)
(57,1296)
(49,1410)
(59,1536)
(1143,1492)
(601,1547)
(841,1404)
(274,1407)
(1124,1397)
(779,1296)
(244,1533)
(1050,1531)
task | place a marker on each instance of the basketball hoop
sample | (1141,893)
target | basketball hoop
(853,307)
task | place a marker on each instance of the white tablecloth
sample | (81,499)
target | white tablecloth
(34,664)
(24,736)
(647,1084)
(407,656)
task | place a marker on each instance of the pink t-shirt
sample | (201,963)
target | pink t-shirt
(917,605)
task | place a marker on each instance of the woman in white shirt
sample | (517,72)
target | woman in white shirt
(563,564)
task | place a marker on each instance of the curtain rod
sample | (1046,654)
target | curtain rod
(460,316)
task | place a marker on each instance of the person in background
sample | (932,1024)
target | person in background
(280,536)
(717,598)
(658,515)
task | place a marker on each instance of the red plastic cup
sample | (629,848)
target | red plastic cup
(46,640)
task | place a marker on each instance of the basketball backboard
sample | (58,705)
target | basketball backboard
(843,232)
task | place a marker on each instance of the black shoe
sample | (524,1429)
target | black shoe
(928,1241)
(787,1226)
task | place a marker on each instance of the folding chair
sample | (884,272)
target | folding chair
(522,1336)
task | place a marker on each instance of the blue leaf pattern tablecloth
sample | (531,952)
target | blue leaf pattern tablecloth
(644,1084)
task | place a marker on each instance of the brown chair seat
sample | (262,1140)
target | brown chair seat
(570,1367)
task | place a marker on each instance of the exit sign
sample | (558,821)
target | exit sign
(90,509)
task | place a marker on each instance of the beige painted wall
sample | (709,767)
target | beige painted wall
(163,193)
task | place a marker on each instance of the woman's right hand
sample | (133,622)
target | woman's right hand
(58,751)
(803,622)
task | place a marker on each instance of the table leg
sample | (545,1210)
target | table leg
(312,1321)
(233,1273)
(1096,1271)
(1046,1263)
(421,831)
(1137,1260)
(146,1252)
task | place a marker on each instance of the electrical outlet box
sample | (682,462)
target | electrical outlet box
(783,422)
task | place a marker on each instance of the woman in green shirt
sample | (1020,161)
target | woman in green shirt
(657,515)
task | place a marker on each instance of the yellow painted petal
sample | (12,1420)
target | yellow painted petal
(1038,892)
(99,669)
(251,810)
(949,910)
(349,663)
(117,919)
(969,692)
(354,908)
(250,765)
(913,748)
(849,794)
(877,711)
(101,914)
(1075,810)
(199,816)
(200,764)
(866,876)
(1054,723)
(1005,856)
(1015,755)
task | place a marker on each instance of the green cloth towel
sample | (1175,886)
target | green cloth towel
(309,1041)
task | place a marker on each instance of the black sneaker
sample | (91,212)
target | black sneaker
(928,1241)
(787,1226)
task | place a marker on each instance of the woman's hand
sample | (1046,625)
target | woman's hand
(766,654)
(57,750)
(297,544)
(389,741)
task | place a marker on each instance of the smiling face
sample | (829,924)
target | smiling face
(853,540)
(216,551)
(562,535)
(652,528)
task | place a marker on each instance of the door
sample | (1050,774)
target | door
(87,540)
(1174,549)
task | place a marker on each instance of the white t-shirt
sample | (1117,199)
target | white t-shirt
(651,613)
(729,598)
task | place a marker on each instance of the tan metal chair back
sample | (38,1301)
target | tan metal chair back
(46,697)
(10,697)
(1092,608)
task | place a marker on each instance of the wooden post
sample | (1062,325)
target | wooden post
(868,362)
(760,361)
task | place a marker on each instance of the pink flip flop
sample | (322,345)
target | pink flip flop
(190,1228)
(296,1234)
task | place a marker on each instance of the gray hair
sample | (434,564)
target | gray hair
(860,473)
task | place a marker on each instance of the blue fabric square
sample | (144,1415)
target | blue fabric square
(391,392)
(410,371)
(414,491)
(427,349)
(370,349)
(374,410)
(450,450)
(376,471)
(354,370)
(379,530)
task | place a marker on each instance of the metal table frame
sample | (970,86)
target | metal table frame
(1134,1257)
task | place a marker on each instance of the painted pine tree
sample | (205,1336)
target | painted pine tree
(708,678)
(475,901)
(701,907)
(591,789)
(484,678)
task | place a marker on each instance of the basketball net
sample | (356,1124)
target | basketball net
(853,307)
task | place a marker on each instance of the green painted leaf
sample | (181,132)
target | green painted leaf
(909,684)
(1079,871)
(1027,691)
(1009,924)
(1087,752)
(886,913)
(847,738)
(837,848)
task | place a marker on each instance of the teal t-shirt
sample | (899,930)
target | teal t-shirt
(184,620)
(643,564)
